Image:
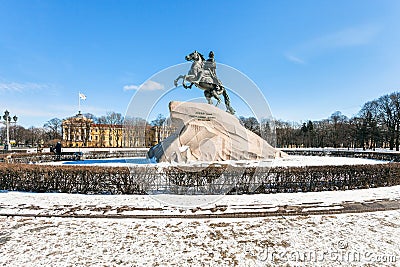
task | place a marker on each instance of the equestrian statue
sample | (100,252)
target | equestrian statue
(203,75)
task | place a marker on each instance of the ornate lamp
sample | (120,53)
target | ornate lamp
(7,121)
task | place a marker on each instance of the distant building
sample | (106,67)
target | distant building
(76,131)
(79,131)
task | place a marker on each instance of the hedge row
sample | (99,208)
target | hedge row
(49,157)
(70,179)
(385,156)
(291,179)
(322,178)
(221,179)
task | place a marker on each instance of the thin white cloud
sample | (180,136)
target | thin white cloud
(295,59)
(20,87)
(147,86)
(131,87)
(348,37)
(353,36)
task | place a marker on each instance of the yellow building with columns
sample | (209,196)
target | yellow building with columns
(79,131)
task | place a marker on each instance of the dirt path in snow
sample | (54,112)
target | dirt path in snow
(251,211)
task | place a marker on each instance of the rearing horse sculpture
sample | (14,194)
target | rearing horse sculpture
(204,79)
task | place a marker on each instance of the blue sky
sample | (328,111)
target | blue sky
(309,58)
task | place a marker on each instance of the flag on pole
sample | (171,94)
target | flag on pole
(82,96)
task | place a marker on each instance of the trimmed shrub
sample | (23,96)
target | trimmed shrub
(240,180)
(69,179)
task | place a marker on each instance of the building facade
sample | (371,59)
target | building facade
(79,131)
(76,131)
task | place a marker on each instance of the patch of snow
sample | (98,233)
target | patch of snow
(289,161)
(318,240)
(183,148)
(20,202)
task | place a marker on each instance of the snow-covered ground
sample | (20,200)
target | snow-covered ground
(59,203)
(328,149)
(348,239)
(289,161)
(318,240)
(320,161)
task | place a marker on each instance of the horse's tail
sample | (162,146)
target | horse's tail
(228,102)
(226,97)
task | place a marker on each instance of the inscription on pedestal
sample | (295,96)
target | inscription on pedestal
(203,116)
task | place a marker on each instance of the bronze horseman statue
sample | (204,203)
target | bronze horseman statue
(203,75)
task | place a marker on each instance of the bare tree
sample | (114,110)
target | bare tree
(338,121)
(388,113)
(158,124)
(115,122)
(101,121)
(251,124)
(368,133)
(135,132)
(36,136)
(53,128)
(286,134)
(268,130)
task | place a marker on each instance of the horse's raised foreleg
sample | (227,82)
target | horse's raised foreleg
(177,79)
(187,78)
(184,85)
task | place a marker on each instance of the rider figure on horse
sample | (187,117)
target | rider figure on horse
(203,75)
(211,66)
(209,71)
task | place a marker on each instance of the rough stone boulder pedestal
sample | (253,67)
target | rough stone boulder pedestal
(207,133)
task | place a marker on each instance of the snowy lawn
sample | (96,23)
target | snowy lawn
(61,203)
(364,239)
(367,239)
(360,239)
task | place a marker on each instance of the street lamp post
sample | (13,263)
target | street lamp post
(7,121)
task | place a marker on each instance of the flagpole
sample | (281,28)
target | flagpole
(79,102)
